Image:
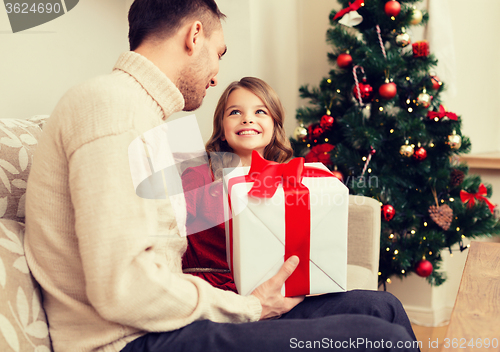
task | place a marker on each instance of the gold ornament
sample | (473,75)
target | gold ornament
(454,140)
(403,39)
(300,133)
(424,99)
(406,150)
(416,17)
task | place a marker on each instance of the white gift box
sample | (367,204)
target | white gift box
(257,249)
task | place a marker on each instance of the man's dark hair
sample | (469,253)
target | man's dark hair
(160,19)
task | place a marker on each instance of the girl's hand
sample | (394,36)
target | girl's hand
(269,293)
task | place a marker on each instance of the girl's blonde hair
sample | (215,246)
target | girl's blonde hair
(279,149)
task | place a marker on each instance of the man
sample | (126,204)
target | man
(109,262)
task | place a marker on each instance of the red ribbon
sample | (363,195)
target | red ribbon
(480,195)
(441,114)
(352,7)
(267,176)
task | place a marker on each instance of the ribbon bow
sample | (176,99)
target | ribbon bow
(352,7)
(480,195)
(267,175)
(442,113)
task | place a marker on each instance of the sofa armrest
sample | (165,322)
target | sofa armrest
(363,243)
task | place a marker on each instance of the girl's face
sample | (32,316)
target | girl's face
(247,123)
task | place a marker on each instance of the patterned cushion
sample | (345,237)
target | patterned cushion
(18,141)
(23,326)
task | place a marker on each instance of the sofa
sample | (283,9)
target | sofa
(23,324)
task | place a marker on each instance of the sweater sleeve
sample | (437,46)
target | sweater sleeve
(119,233)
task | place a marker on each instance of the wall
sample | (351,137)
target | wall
(477,71)
(38,65)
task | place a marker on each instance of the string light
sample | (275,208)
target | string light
(410,109)
(407,78)
(389,280)
(369,170)
(424,238)
(326,139)
(381,108)
(393,18)
(431,145)
(452,199)
(396,251)
(392,130)
(363,158)
(379,273)
(425,223)
(391,236)
(308,146)
(329,80)
(458,228)
(463,236)
(387,249)
(430,252)
(412,232)
(442,200)
(402,271)
(338,90)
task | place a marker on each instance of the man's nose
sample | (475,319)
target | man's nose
(213,81)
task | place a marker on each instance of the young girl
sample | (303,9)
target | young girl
(249,116)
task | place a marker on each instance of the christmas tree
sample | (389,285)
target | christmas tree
(378,123)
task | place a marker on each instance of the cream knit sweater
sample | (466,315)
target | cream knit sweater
(108,261)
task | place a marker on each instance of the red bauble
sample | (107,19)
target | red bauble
(326,121)
(436,82)
(321,153)
(388,90)
(424,268)
(420,154)
(366,91)
(392,8)
(388,212)
(338,174)
(315,131)
(344,60)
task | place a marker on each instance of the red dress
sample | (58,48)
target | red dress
(205,224)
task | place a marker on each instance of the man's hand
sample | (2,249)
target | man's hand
(269,293)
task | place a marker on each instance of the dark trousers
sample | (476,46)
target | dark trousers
(351,321)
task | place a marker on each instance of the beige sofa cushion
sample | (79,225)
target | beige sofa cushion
(18,141)
(23,325)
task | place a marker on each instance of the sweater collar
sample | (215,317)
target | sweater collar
(154,81)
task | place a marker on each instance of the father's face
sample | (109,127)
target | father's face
(197,77)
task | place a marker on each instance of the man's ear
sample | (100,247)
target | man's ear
(194,36)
